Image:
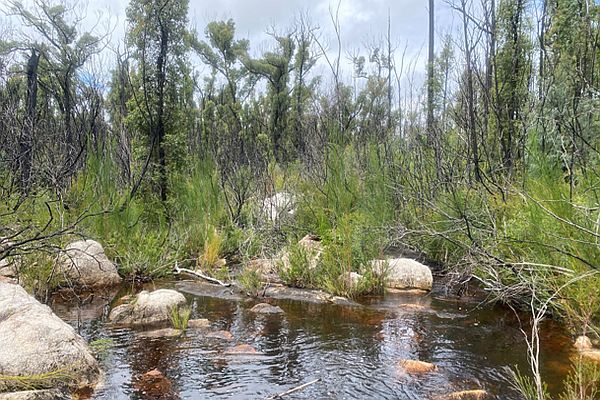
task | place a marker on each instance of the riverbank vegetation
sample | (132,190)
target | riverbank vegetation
(167,153)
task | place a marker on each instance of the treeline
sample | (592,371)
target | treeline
(490,168)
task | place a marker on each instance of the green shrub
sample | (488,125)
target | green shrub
(180,317)
(250,282)
(296,271)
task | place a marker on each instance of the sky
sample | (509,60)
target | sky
(362,22)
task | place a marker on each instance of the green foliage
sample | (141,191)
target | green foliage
(250,281)
(583,383)
(180,317)
(101,347)
(58,378)
(526,386)
(297,271)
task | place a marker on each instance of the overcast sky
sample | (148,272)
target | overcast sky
(361,21)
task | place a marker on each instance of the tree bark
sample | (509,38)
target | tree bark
(26,142)
(472,129)
(160,120)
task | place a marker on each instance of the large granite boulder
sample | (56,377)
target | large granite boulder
(404,273)
(278,206)
(147,308)
(84,264)
(39,347)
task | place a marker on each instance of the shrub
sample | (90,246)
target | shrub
(180,317)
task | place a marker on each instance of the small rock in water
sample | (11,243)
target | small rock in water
(225,335)
(412,307)
(154,384)
(201,323)
(147,307)
(158,333)
(341,301)
(477,394)
(242,349)
(404,273)
(264,308)
(414,367)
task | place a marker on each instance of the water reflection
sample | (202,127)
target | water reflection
(353,350)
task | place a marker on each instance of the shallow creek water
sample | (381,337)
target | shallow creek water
(353,350)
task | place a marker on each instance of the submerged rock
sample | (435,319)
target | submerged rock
(72,306)
(241,349)
(147,307)
(413,367)
(404,273)
(225,335)
(586,349)
(265,308)
(36,344)
(201,323)
(161,333)
(84,264)
(154,385)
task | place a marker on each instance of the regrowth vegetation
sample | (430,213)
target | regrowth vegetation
(494,175)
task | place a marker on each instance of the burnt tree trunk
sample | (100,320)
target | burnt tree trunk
(26,141)
(160,117)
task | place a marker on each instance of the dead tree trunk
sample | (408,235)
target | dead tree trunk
(160,121)
(471,125)
(26,141)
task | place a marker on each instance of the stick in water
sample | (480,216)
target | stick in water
(200,275)
(293,390)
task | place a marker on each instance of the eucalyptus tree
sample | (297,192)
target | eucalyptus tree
(513,76)
(221,52)
(56,47)
(275,67)
(305,59)
(231,116)
(572,43)
(157,37)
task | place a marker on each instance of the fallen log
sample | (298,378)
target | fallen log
(199,274)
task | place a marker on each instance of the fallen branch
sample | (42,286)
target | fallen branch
(199,274)
(293,390)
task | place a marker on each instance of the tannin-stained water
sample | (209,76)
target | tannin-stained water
(354,351)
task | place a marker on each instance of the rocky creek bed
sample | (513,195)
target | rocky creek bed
(355,350)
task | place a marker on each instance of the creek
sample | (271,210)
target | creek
(352,349)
